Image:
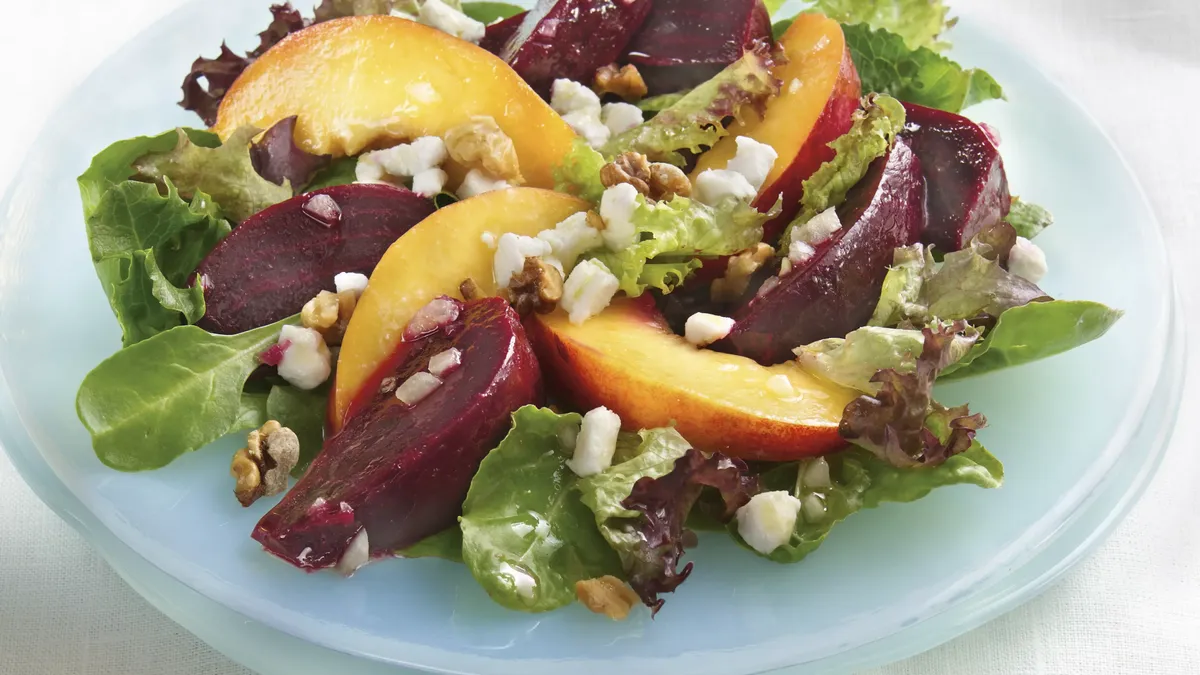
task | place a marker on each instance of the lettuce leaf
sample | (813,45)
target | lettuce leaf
(852,361)
(1028,219)
(1035,331)
(490,12)
(918,75)
(579,173)
(304,413)
(919,23)
(527,537)
(871,134)
(114,164)
(145,246)
(671,234)
(859,480)
(340,172)
(446,545)
(696,120)
(226,173)
(902,424)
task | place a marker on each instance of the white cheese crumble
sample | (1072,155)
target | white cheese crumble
(753,160)
(429,182)
(488,239)
(617,206)
(800,252)
(350,281)
(306,362)
(589,126)
(417,387)
(596,443)
(477,182)
(439,15)
(1027,260)
(818,229)
(766,522)
(702,329)
(620,117)
(588,290)
(781,386)
(580,108)
(571,238)
(511,252)
(714,185)
(445,362)
(368,169)
(404,160)
(357,554)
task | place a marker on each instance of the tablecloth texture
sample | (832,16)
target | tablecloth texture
(1132,608)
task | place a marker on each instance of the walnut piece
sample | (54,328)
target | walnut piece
(262,467)
(737,275)
(470,290)
(329,313)
(536,288)
(656,181)
(482,144)
(624,81)
(607,595)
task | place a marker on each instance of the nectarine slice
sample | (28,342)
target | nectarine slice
(820,93)
(626,358)
(433,259)
(360,82)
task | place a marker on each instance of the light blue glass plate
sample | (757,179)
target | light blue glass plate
(1079,434)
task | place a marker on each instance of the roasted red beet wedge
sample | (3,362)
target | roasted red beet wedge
(836,290)
(968,189)
(498,34)
(685,42)
(400,472)
(277,260)
(572,38)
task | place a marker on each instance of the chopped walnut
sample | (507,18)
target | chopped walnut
(737,275)
(656,181)
(470,290)
(624,81)
(261,468)
(607,595)
(329,313)
(482,144)
(536,288)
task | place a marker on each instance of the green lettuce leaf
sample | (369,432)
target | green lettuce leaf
(173,393)
(114,164)
(696,120)
(887,65)
(858,480)
(339,172)
(304,413)
(252,411)
(447,545)
(657,104)
(780,27)
(145,245)
(901,295)
(579,173)
(852,361)
(527,537)
(670,234)
(1028,219)
(1035,331)
(871,134)
(919,23)
(490,12)
(226,173)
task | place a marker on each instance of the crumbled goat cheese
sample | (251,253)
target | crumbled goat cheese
(306,362)
(596,442)
(617,206)
(350,281)
(477,182)
(1027,260)
(703,329)
(766,522)
(439,15)
(588,290)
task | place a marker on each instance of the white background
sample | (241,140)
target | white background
(1134,607)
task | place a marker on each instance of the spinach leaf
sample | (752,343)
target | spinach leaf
(304,413)
(252,413)
(173,393)
(490,12)
(854,480)
(1035,331)
(527,537)
(447,545)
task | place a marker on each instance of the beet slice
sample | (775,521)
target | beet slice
(572,39)
(278,259)
(685,42)
(499,33)
(401,472)
(968,189)
(836,290)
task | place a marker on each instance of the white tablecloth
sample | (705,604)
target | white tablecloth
(1133,608)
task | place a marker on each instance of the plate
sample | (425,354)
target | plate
(1079,434)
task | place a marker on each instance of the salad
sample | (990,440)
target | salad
(547,292)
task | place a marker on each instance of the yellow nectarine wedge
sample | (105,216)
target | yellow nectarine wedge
(362,82)
(820,93)
(627,359)
(433,259)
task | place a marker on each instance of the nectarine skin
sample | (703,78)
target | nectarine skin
(433,259)
(369,81)
(402,472)
(821,91)
(627,358)
(836,290)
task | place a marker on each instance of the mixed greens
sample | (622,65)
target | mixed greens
(692,217)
